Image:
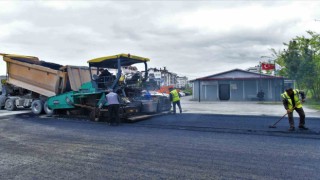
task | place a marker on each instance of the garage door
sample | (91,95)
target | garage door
(211,92)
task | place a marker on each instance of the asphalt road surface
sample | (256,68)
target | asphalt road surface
(184,146)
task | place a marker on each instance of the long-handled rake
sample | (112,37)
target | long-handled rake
(274,125)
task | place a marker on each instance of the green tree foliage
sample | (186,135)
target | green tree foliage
(301,60)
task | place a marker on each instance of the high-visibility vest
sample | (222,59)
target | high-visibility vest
(296,99)
(175,95)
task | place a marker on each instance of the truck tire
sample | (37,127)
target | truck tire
(47,110)
(37,107)
(10,104)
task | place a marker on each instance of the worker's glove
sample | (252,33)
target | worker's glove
(289,111)
(100,105)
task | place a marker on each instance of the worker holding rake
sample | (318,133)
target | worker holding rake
(291,102)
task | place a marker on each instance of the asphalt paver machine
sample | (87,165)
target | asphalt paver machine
(130,89)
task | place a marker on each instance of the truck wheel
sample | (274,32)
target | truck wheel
(47,110)
(10,104)
(37,107)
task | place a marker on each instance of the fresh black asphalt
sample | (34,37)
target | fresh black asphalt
(182,146)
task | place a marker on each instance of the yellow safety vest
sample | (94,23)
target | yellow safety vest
(296,99)
(175,95)
(122,77)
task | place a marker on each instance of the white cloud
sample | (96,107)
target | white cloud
(67,5)
(254,16)
(193,38)
(14,27)
(7,7)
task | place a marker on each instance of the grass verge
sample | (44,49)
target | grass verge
(312,104)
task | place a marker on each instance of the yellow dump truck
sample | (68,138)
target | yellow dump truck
(31,81)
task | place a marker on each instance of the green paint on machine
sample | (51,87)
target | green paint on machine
(62,101)
(87,92)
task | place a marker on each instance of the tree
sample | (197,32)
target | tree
(278,59)
(301,60)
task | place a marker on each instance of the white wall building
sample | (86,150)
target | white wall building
(182,82)
(162,76)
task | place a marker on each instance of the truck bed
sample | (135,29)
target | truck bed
(45,78)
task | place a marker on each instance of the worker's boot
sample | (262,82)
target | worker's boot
(291,128)
(302,127)
(291,123)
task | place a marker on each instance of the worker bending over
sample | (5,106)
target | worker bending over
(291,102)
(175,99)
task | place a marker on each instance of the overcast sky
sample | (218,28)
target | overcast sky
(190,38)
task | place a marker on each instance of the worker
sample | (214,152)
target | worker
(105,78)
(113,101)
(175,99)
(291,102)
(104,72)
